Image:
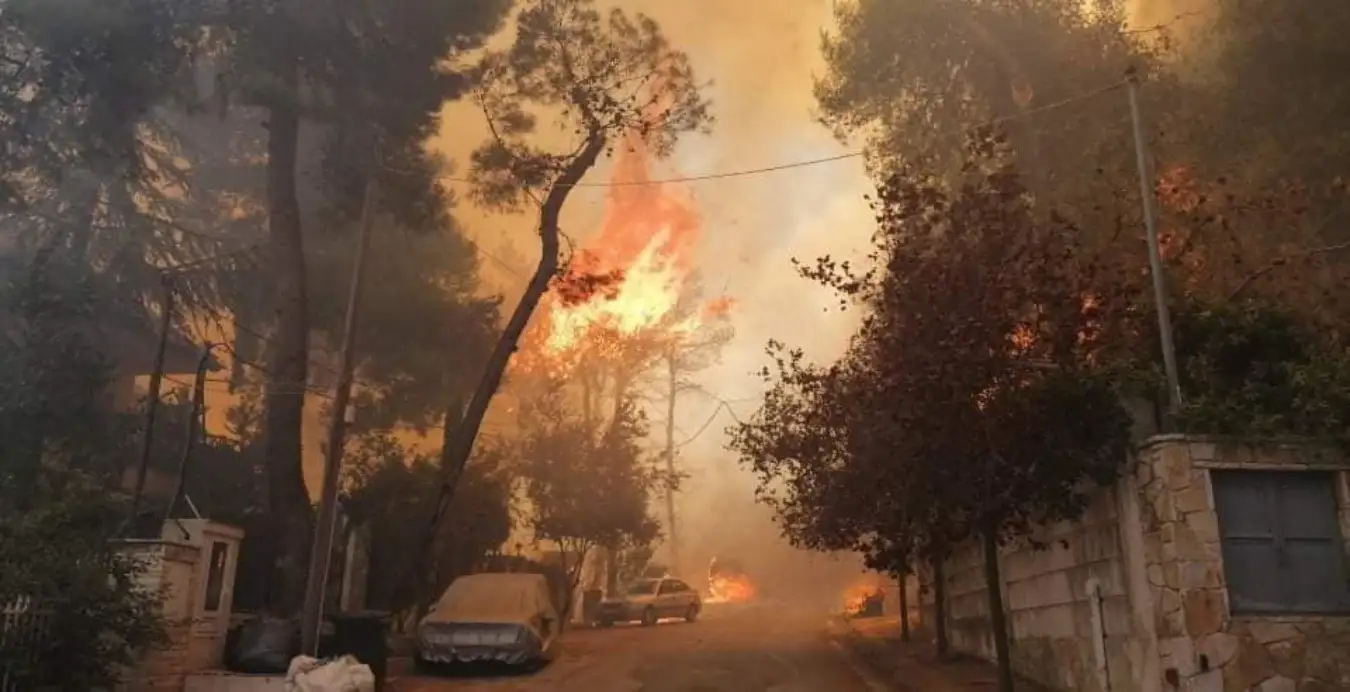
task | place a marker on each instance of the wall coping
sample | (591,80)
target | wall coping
(196,529)
(1283,442)
(150,543)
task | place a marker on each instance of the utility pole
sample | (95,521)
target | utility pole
(156,382)
(195,428)
(670,462)
(1146,191)
(312,615)
(166,276)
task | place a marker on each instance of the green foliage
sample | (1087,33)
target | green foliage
(389,488)
(583,489)
(971,400)
(53,379)
(56,545)
(1261,52)
(597,76)
(424,333)
(1250,369)
(60,448)
(915,78)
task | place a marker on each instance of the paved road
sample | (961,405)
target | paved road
(730,649)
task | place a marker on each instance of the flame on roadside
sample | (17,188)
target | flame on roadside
(731,588)
(856,596)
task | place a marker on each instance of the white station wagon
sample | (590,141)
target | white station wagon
(649,600)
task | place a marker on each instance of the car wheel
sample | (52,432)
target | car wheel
(605,623)
(691,614)
(648,617)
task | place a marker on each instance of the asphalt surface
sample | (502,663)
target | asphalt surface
(731,648)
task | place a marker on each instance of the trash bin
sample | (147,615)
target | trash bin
(362,634)
(590,605)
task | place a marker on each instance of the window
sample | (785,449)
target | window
(673,586)
(215,576)
(644,587)
(1283,550)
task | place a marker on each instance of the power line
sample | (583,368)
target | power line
(721,406)
(1163,26)
(804,163)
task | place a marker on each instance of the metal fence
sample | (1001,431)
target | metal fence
(24,628)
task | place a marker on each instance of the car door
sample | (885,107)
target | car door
(668,598)
(685,597)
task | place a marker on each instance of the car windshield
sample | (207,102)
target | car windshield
(644,587)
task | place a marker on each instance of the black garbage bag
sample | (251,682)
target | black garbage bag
(265,645)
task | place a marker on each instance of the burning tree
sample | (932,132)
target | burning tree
(974,402)
(601,78)
(629,305)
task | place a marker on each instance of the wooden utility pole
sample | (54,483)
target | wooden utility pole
(670,462)
(320,552)
(156,382)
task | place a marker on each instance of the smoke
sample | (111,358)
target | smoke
(761,57)
(1147,13)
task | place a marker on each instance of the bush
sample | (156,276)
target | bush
(1254,370)
(85,618)
(80,588)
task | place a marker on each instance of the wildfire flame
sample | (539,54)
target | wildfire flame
(733,588)
(856,596)
(645,244)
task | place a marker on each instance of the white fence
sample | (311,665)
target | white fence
(24,625)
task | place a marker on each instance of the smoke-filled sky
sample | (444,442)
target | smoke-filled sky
(761,57)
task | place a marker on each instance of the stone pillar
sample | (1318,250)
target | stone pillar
(212,587)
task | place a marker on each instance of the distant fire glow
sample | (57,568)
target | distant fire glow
(856,596)
(734,588)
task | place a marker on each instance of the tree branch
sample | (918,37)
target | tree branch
(1282,261)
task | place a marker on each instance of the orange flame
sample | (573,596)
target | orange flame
(731,588)
(646,243)
(856,596)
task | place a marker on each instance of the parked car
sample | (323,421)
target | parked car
(490,617)
(649,600)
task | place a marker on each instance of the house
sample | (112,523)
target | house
(1212,565)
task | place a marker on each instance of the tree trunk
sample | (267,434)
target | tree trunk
(944,647)
(573,579)
(458,441)
(611,570)
(904,606)
(288,500)
(455,453)
(998,622)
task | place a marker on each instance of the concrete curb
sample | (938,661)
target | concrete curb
(845,640)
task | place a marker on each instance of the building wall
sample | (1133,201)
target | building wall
(170,569)
(1204,646)
(1068,598)
(1135,595)
(177,567)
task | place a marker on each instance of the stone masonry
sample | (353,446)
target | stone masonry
(1133,596)
(1203,647)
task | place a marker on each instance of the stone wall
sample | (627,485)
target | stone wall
(168,568)
(1072,621)
(1203,646)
